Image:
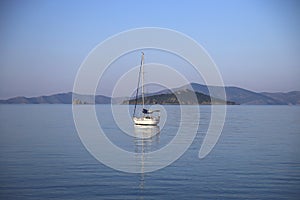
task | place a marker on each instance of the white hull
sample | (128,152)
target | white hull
(150,121)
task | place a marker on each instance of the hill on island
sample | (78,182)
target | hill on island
(62,98)
(247,97)
(183,97)
(291,98)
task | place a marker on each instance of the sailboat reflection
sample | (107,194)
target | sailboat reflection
(145,140)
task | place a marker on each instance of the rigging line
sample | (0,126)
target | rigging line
(137,89)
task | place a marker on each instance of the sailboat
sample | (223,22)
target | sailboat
(147,116)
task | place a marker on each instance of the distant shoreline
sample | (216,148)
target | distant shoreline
(234,95)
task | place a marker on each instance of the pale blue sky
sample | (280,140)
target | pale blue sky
(255,44)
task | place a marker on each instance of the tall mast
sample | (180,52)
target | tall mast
(143,80)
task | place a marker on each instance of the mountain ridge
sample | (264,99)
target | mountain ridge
(182,97)
(60,98)
(244,96)
(234,94)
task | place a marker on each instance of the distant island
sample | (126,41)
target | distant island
(235,95)
(183,97)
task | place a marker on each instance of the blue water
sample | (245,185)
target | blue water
(256,157)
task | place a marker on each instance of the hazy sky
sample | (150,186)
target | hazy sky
(255,44)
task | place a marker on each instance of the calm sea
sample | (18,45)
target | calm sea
(256,157)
